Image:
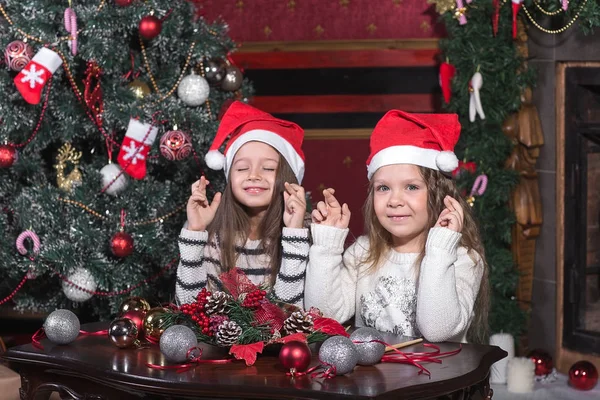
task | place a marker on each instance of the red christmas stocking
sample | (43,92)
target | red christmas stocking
(447,72)
(135,147)
(32,79)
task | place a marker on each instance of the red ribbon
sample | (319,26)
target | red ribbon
(92,92)
(37,336)
(41,334)
(132,73)
(323,370)
(97,333)
(193,363)
(416,358)
(152,340)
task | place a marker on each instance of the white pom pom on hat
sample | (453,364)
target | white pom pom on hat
(215,160)
(446,161)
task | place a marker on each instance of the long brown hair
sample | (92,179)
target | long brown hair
(380,241)
(231,223)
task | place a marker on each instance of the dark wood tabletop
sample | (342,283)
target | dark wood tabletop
(93,368)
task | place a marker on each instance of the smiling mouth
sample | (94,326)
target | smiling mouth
(255,190)
(398,218)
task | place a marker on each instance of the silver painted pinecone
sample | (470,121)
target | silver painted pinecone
(228,333)
(298,322)
(216,303)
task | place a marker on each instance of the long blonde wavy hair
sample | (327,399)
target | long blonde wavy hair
(380,241)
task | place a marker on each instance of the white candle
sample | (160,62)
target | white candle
(521,374)
(507,343)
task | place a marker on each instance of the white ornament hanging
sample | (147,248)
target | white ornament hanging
(475,107)
(109,172)
(84,279)
(193,90)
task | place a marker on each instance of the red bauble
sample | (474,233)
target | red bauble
(175,145)
(295,356)
(8,156)
(138,318)
(123,3)
(150,27)
(583,375)
(542,360)
(121,244)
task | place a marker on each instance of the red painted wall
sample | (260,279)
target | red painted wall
(293,20)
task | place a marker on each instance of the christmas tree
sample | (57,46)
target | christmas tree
(108,109)
(483,56)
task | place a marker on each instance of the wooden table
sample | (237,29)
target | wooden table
(92,368)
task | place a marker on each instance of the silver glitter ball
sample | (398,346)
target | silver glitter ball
(340,352)
(82,278)
(176,342)
(369,352)
(62,326)
(193,90)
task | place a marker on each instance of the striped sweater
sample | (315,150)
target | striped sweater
(200,265)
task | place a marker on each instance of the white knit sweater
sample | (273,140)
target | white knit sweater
(438,304)
(200,265)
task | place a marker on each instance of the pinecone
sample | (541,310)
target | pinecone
(298,322)
(228,333)
(216,303)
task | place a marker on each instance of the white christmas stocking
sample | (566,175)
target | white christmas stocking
(135,147)
(32,79)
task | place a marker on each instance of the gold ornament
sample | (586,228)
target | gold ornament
(134,304)
(459,12)
(139,88)
(471,200)
(443,6)
(153,322)
(67,154)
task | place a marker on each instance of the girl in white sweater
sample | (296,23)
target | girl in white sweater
(257,225)
(420,267)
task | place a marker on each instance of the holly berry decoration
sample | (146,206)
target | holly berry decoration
(583,375)
(542,360)
(8,156)
(150,27)
(197,311)
(253,298)
(121,244)
(295,357)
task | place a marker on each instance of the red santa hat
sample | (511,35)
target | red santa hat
(242,123)
(426,140)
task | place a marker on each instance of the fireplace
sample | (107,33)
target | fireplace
(578,211)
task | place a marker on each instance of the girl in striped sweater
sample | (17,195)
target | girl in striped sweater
(257,224)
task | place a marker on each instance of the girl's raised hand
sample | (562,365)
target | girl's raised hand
(200,212)
(329,212)
(451,217)
(295,205)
